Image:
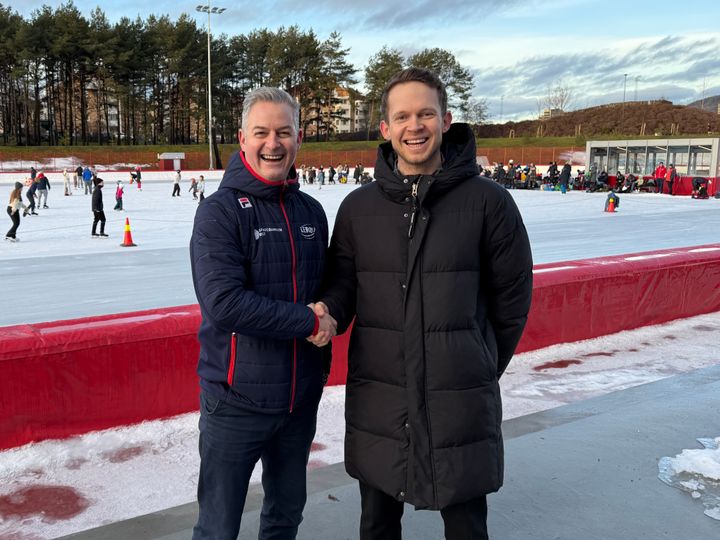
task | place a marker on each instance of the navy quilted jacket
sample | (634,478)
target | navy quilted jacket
(257,252)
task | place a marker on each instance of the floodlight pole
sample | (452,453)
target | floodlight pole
(217,11)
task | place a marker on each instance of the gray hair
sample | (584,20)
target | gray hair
(273,95)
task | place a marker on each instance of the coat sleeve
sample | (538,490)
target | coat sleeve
(509,267)
(219,269)
(338,289)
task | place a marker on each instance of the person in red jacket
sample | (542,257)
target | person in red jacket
(670,177)
(659,174)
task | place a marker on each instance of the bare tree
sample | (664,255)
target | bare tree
(477,111)
(557,97)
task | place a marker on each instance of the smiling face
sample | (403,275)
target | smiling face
(415,126)
(270,140)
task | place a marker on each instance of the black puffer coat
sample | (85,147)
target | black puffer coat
(440,285)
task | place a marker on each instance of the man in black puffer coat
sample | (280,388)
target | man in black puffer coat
(434,263)
(257,252)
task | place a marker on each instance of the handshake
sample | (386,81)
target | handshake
(328,325)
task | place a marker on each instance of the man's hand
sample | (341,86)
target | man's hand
(328,325)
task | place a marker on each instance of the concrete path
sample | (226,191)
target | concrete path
(583,471)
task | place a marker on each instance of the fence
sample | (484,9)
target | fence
(55,159)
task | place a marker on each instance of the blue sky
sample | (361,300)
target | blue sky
(515,48)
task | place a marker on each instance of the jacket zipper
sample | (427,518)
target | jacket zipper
(294,281)
(233,351)
(413,213)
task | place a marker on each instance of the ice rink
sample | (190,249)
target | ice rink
(57,271)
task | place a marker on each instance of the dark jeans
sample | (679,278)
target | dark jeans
(99,218)
(31,204)
(381,515)
(15,217)
(670,186)
(118,204)
(176,190)
(232,440)
(659,183)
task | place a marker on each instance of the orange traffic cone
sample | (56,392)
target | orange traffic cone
(610,207)
(127,241)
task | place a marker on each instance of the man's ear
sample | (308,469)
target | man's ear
(447,120)
(241,138)
(385,130)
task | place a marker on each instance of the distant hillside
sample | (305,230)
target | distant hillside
(709,104)
(615,119)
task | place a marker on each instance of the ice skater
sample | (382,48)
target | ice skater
(176,185)
(119,196)
(87,180)
(13,211)
(43,186)
(77,176)
(66,183)
(97,209)
(193,187)
(30,209)
(201,188)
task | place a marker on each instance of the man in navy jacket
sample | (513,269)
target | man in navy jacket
(257,254)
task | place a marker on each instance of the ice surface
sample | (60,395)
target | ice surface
(84,276)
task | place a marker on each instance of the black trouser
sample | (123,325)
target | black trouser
(202,195)
(659,183)
(99,217)
(15,217)
(381,515)
(176,190)
(31,204)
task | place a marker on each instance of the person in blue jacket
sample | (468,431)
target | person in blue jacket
(257,253)
(87,180)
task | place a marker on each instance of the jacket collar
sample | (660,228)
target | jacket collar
(458,163)
(239,175)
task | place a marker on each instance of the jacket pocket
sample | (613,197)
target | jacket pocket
(489,362)
(209,404)
(231,361)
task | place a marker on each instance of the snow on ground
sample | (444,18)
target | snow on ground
(696,472)
(119,473)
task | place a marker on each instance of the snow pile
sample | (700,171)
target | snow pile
(696,472)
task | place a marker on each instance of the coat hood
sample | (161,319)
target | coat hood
(239,175)
(458,152)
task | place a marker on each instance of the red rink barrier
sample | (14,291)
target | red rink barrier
(69,377)
(681,186)
(575,300)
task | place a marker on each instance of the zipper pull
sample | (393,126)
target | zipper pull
(411,229)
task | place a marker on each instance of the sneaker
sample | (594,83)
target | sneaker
(103,235)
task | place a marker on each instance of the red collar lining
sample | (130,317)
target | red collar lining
(265,180)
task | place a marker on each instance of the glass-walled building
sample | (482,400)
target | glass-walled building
(691,157)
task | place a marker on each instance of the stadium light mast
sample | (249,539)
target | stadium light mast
(217,11)
(622,112)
